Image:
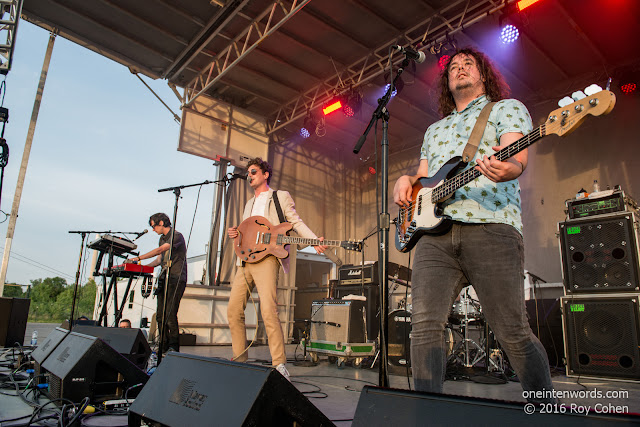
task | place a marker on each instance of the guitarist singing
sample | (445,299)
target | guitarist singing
(484,245)
(263,274)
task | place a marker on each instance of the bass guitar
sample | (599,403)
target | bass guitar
(424,215)
(258,238)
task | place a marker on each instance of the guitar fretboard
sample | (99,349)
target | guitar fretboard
(288,240)
(449,186)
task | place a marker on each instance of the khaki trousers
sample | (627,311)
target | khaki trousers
(264,276)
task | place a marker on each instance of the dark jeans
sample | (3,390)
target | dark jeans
(491,258)
(175,291)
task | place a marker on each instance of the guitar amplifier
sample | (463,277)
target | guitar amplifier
(350,274)
(340,321)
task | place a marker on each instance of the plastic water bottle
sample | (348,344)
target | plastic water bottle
(34,338)
(152,363)
(596,186)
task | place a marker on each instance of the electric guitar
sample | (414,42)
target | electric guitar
(425,213)
(257,238)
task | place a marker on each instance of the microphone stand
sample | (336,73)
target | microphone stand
(384,222)
(176,191)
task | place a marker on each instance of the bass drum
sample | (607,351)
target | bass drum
(400,338)
(399,322)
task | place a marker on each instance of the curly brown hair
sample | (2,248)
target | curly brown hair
(495,86)
(262,164)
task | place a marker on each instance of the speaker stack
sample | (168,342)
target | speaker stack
(600,309)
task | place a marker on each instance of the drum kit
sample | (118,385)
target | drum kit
(468,338)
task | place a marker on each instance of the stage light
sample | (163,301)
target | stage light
(372,170)
(628,88)
(443,61)
(308,126)
(509,34)
(523,4)
(332,106)
(398,87)
(352,103)
(628,79)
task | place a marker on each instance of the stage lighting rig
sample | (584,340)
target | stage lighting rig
(629,80)
(309,125)
(352,103)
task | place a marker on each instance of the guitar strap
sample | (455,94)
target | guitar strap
(476,134)
(278,208)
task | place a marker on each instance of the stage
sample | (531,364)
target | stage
(336,391)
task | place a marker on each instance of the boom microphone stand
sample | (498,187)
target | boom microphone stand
(176,191)
(384,222)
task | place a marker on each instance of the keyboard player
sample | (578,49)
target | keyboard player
(161,224)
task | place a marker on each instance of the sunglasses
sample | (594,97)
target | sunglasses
(254,171)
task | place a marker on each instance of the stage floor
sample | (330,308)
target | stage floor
(342,386)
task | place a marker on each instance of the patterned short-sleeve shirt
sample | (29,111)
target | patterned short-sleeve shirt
(481,200)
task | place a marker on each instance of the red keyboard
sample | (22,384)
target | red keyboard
(129,269)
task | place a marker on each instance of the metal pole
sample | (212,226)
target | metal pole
(25,159)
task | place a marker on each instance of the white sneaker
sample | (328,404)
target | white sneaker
(283,370)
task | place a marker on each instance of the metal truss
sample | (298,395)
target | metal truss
(259,29)
(455,17)
(9,17)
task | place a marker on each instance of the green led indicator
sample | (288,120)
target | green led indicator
(573,230)
(576,307)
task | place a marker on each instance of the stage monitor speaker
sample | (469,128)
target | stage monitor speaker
(85,366)
(371,292)
(189,390)
(601,336)
(47,345)
(13,320)
(600,254)
(341,321)
(389,407)
(130,342)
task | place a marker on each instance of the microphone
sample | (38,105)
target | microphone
(238,176)
(142,233)
(415,55)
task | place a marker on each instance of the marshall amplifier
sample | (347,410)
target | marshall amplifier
(352,274)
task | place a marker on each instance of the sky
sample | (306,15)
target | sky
(103,146)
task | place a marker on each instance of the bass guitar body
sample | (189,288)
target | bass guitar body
(425,216)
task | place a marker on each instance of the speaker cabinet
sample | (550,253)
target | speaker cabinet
(341,321)
(85,366)
(45,348)
(389,407)
(13,320)
(600,254)
(372,293)
(189,390)
(601,336)
(129,342)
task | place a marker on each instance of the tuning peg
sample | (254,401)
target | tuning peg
(591,89)
(578,95)
(565,101)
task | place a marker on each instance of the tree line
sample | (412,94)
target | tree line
(51,299)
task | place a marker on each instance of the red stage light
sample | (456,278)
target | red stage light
(628,88)
(332,107)
(523,4)
(443,61)
(372,170)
